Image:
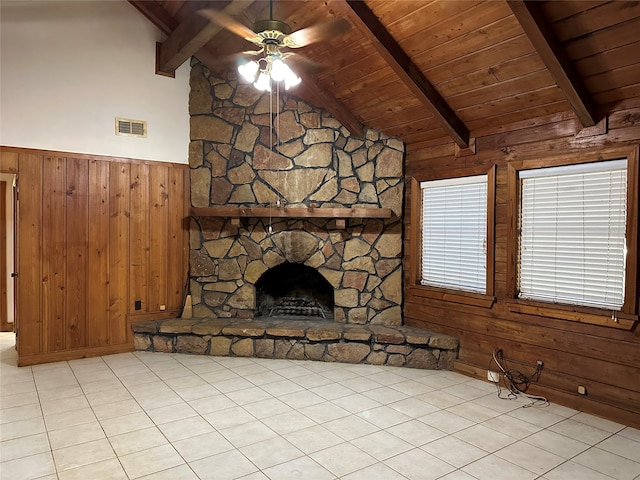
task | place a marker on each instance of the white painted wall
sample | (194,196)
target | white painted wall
(68,68)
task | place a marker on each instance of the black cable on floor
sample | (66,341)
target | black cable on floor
(515,382)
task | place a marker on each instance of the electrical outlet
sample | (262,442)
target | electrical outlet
(540,363)
(162,308)
(493,376)
(582,390)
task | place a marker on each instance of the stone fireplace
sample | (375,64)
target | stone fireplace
(244,268)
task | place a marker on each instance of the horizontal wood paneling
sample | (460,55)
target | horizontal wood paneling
(474,53)
(452,31)
(479,80)
(605,360)
(91,231)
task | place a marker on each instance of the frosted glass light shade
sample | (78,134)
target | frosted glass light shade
(273,68)
(249,70)
(291,79)
(263,82)
(279,70)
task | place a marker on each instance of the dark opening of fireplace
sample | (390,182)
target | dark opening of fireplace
(293,289)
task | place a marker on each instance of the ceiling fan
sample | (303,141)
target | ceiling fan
(274,37)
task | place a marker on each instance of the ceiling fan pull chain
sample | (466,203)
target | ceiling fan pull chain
(271,121)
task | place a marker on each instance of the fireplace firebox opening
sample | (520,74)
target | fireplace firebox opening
(294,289)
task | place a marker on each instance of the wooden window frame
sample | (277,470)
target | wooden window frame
(486,299)
(627,316)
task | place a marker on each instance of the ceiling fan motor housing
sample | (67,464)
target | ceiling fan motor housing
(271,31)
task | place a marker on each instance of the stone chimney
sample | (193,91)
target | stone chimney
(244,154)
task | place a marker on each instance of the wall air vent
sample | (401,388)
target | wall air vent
(131,128)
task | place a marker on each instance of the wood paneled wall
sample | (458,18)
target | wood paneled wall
(95,235)
(604,359)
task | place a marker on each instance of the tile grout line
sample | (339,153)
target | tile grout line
(337,381)
(151,420)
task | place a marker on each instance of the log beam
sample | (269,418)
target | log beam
(409,73)
(553,55)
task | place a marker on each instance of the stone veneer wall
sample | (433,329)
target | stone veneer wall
(307,159)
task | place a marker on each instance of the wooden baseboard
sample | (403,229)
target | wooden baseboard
(469,370)
(36,359)
(575,401)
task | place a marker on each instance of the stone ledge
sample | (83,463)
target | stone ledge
(294,339)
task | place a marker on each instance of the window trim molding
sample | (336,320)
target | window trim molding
(485,300)
(630,306)
(580,314)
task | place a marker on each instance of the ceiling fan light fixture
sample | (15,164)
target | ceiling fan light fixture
(290,78)
(272,36)
(269,68)
(279,70)
(249,70)
(263,82)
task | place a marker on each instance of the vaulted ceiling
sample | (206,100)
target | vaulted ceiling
(435,71)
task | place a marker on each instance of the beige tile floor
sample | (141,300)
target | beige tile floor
(170,416)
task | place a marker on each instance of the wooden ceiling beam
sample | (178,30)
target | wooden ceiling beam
(184,42)
(190,36)
(530,16)
(157,15)
(409,73)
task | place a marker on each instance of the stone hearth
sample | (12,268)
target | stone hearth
(299,339)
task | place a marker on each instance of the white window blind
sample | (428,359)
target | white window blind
(572,239)
(454,233)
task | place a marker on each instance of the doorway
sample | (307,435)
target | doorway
(7,251)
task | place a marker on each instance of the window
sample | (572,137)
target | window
(454,233)
(572,234)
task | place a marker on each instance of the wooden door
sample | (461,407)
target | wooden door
(7,252)
(14,275)
(4,271)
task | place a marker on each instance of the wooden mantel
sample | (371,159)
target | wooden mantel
(341,214)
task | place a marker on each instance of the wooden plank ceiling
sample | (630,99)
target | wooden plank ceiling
(436,71)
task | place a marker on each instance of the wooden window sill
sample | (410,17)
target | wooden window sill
(592,316)
(455,296)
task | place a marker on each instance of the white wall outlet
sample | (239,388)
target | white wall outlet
(493,376)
